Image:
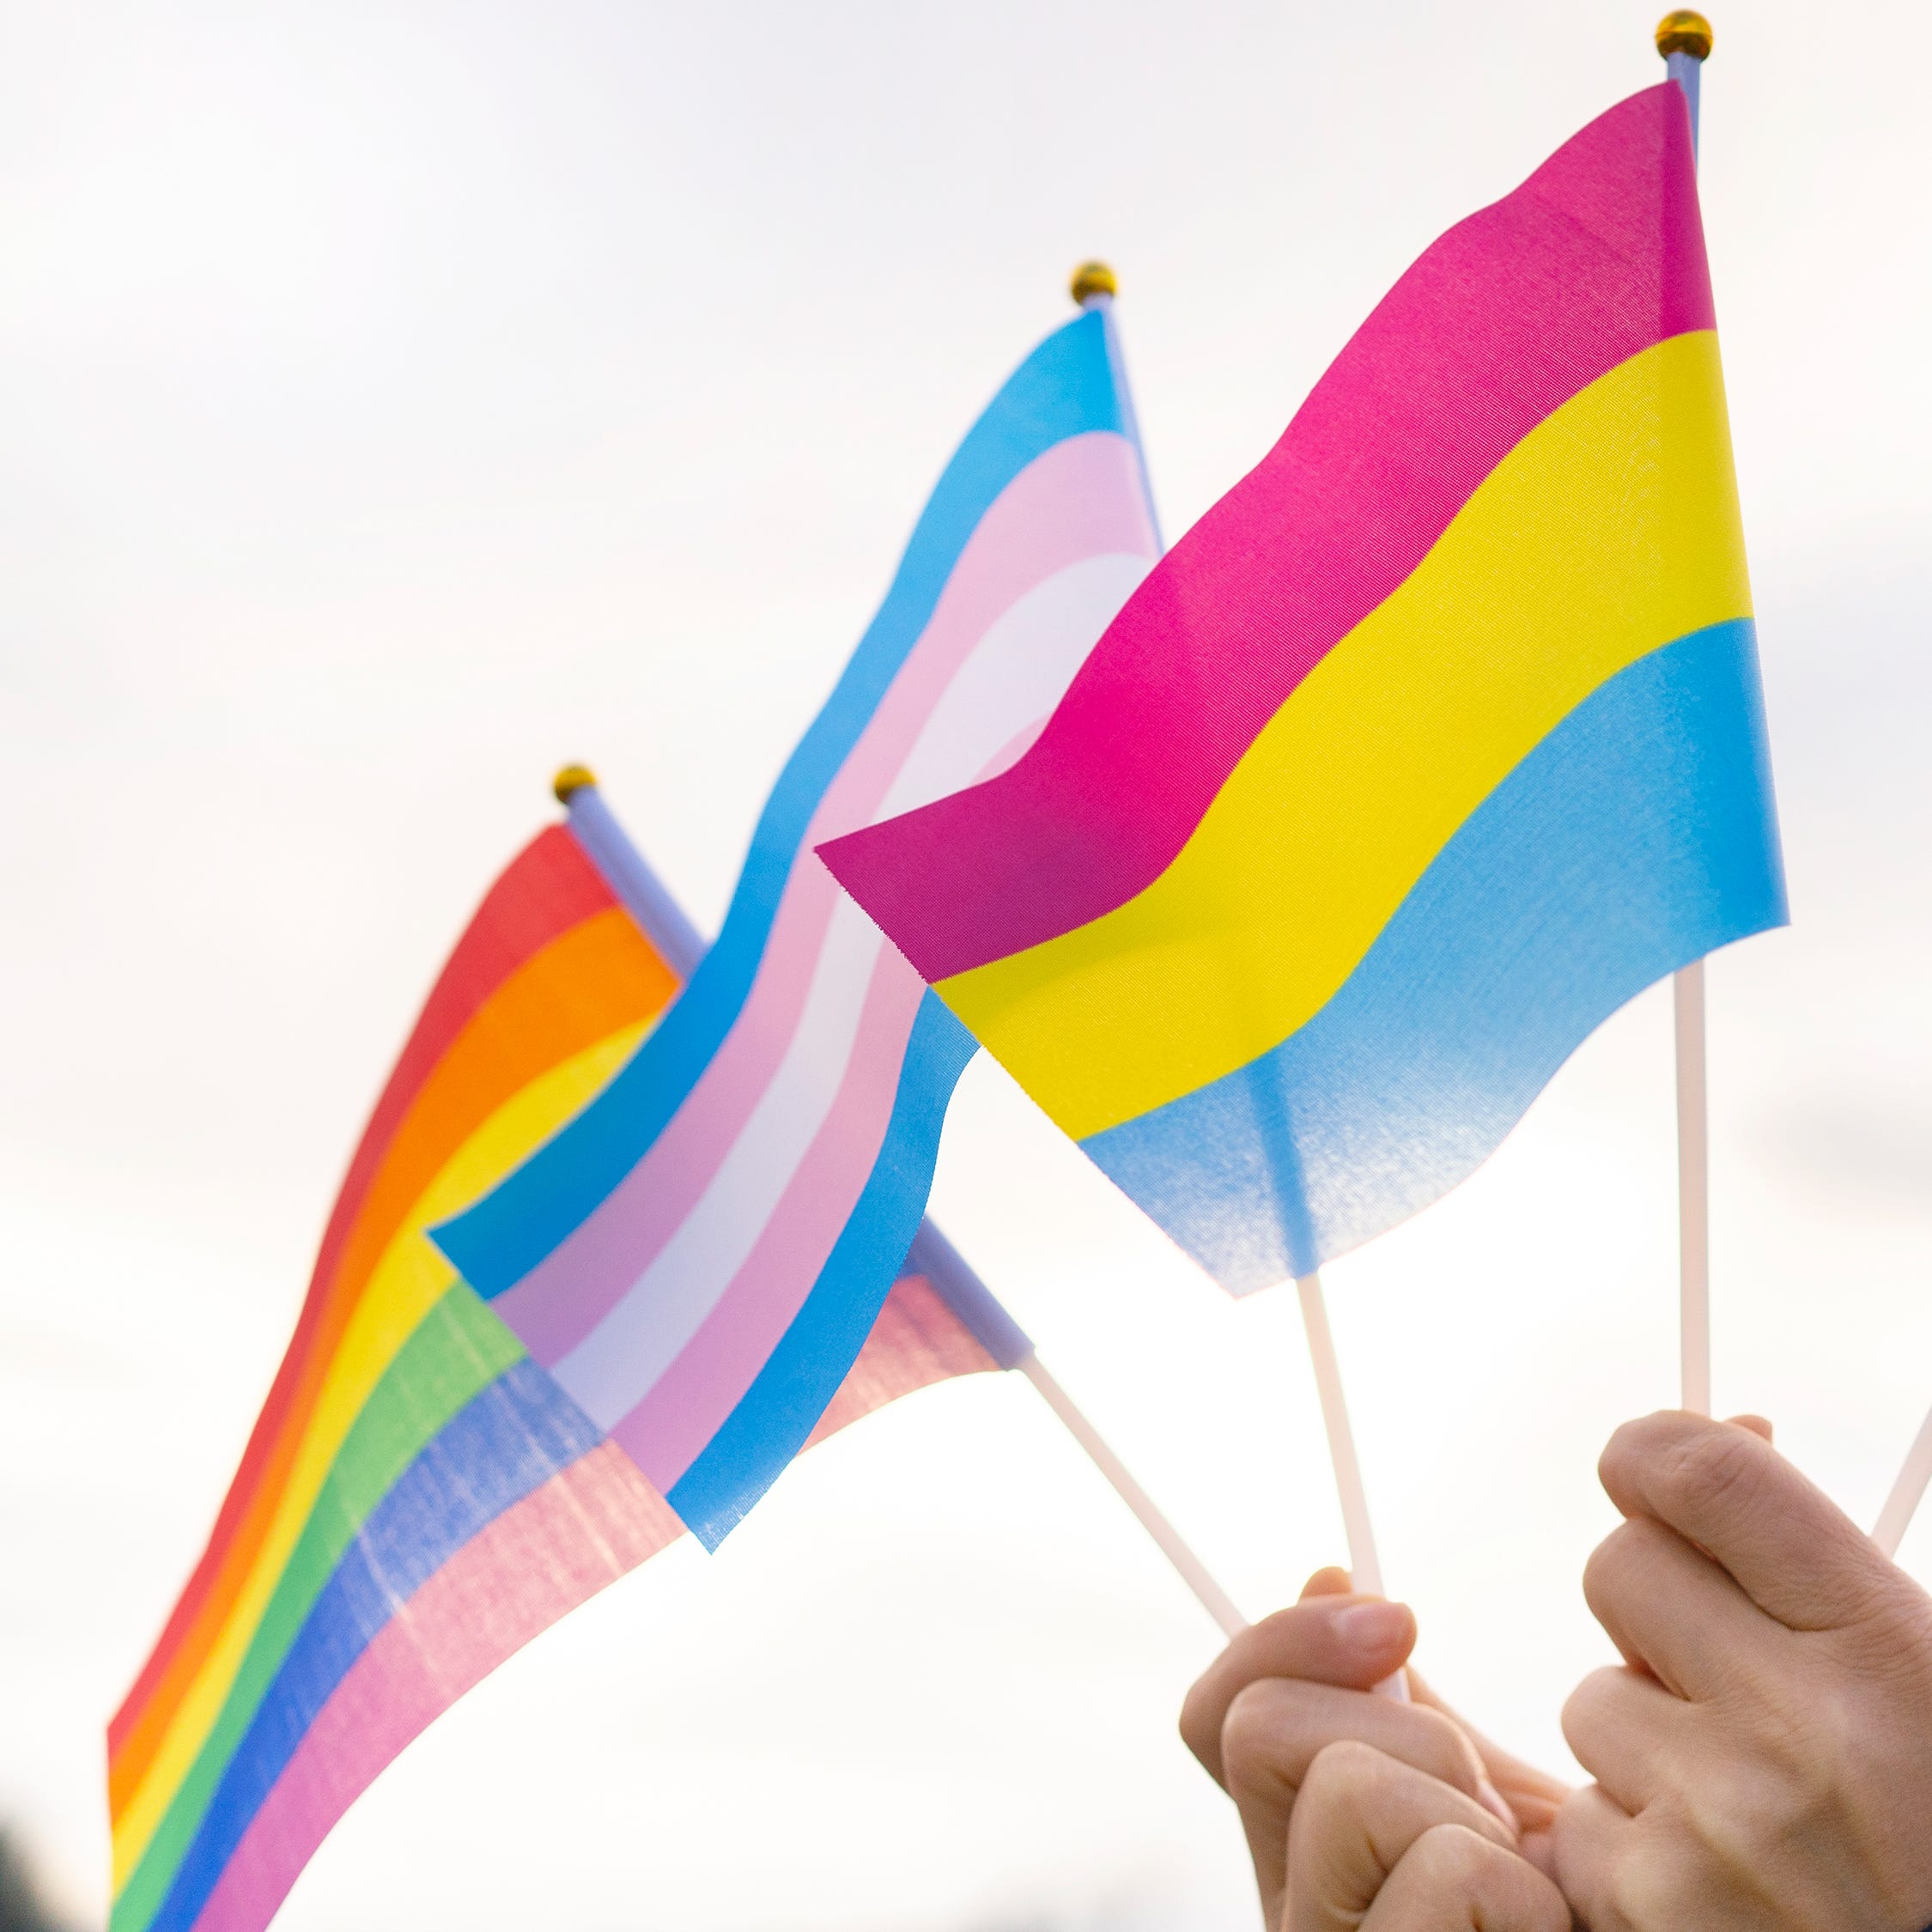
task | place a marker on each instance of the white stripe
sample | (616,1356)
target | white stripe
(1014,674)
(610,1369)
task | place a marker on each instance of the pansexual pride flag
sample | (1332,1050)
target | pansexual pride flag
(419,1498)
(1434,741)
(697,1257)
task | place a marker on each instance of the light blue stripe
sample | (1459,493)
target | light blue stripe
(1637,837)
(781,1408)
(1064,388)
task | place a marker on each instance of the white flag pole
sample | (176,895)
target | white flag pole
(648,901)
(1094,288)
(1895,1518)
(1364,1564)
(1684,40)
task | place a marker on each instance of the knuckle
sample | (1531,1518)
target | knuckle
(1713,1471)
(1584,1709)
(1338,1779)
(1345,1765)
(1449,1859)
(1424,1740)
(1629,1443)
(1619,1564)
(1196,1724)
(1251,1739)
(1438,1744)
(1605,1566)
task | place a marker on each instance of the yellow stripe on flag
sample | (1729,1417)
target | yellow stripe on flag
(1610,530)
(409,1278)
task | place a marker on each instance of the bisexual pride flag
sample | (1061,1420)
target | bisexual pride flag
(419,1498)
(1434,741)
(698,1256)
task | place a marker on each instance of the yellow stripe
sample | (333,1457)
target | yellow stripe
(1609,531)
(405,1284)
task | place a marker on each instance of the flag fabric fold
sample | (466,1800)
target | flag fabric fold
(419,1498)
(1434,741)
(697,1257)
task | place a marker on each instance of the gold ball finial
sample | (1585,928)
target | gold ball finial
(1090,279)
(572,778)
(1683,31)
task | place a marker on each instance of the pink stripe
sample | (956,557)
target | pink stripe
(584,1528)
(1599,255)
(681,1411)
(1082,498)
(568,1292)
(916,1341)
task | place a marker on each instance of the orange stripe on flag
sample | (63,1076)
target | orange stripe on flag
(595,979)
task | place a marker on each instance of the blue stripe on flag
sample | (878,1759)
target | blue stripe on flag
(1064,388)
(1637,837)
(781,1408)
(506,1441)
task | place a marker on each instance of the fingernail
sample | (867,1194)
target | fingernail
(1372,1627)
(1491,1800)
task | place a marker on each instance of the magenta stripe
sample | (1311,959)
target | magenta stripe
(584,1528)
(1082,498)
(1598,256)
(680,1412)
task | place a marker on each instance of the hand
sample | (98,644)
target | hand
(1377,1845)
(1352,1803)
(1764,1758)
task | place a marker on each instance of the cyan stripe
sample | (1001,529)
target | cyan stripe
(1064,388)
(1640,834)
(511,1438)
(782,1406)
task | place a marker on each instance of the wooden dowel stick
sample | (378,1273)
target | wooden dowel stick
(1192,1571)
(1684,40)
(1693,1191)
(1365,1566)
(1895,1518)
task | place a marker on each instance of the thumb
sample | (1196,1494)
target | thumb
(1350,1642)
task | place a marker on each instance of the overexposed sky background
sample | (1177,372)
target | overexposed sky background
(399,399)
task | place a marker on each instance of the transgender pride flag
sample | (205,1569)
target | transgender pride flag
(698,1257)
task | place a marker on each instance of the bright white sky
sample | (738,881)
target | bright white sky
(399,399)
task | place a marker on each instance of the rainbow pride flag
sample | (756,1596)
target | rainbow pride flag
(1432,743)
(419,1498)
(697,1257)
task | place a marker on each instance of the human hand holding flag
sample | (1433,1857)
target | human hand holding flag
(1760,1756)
